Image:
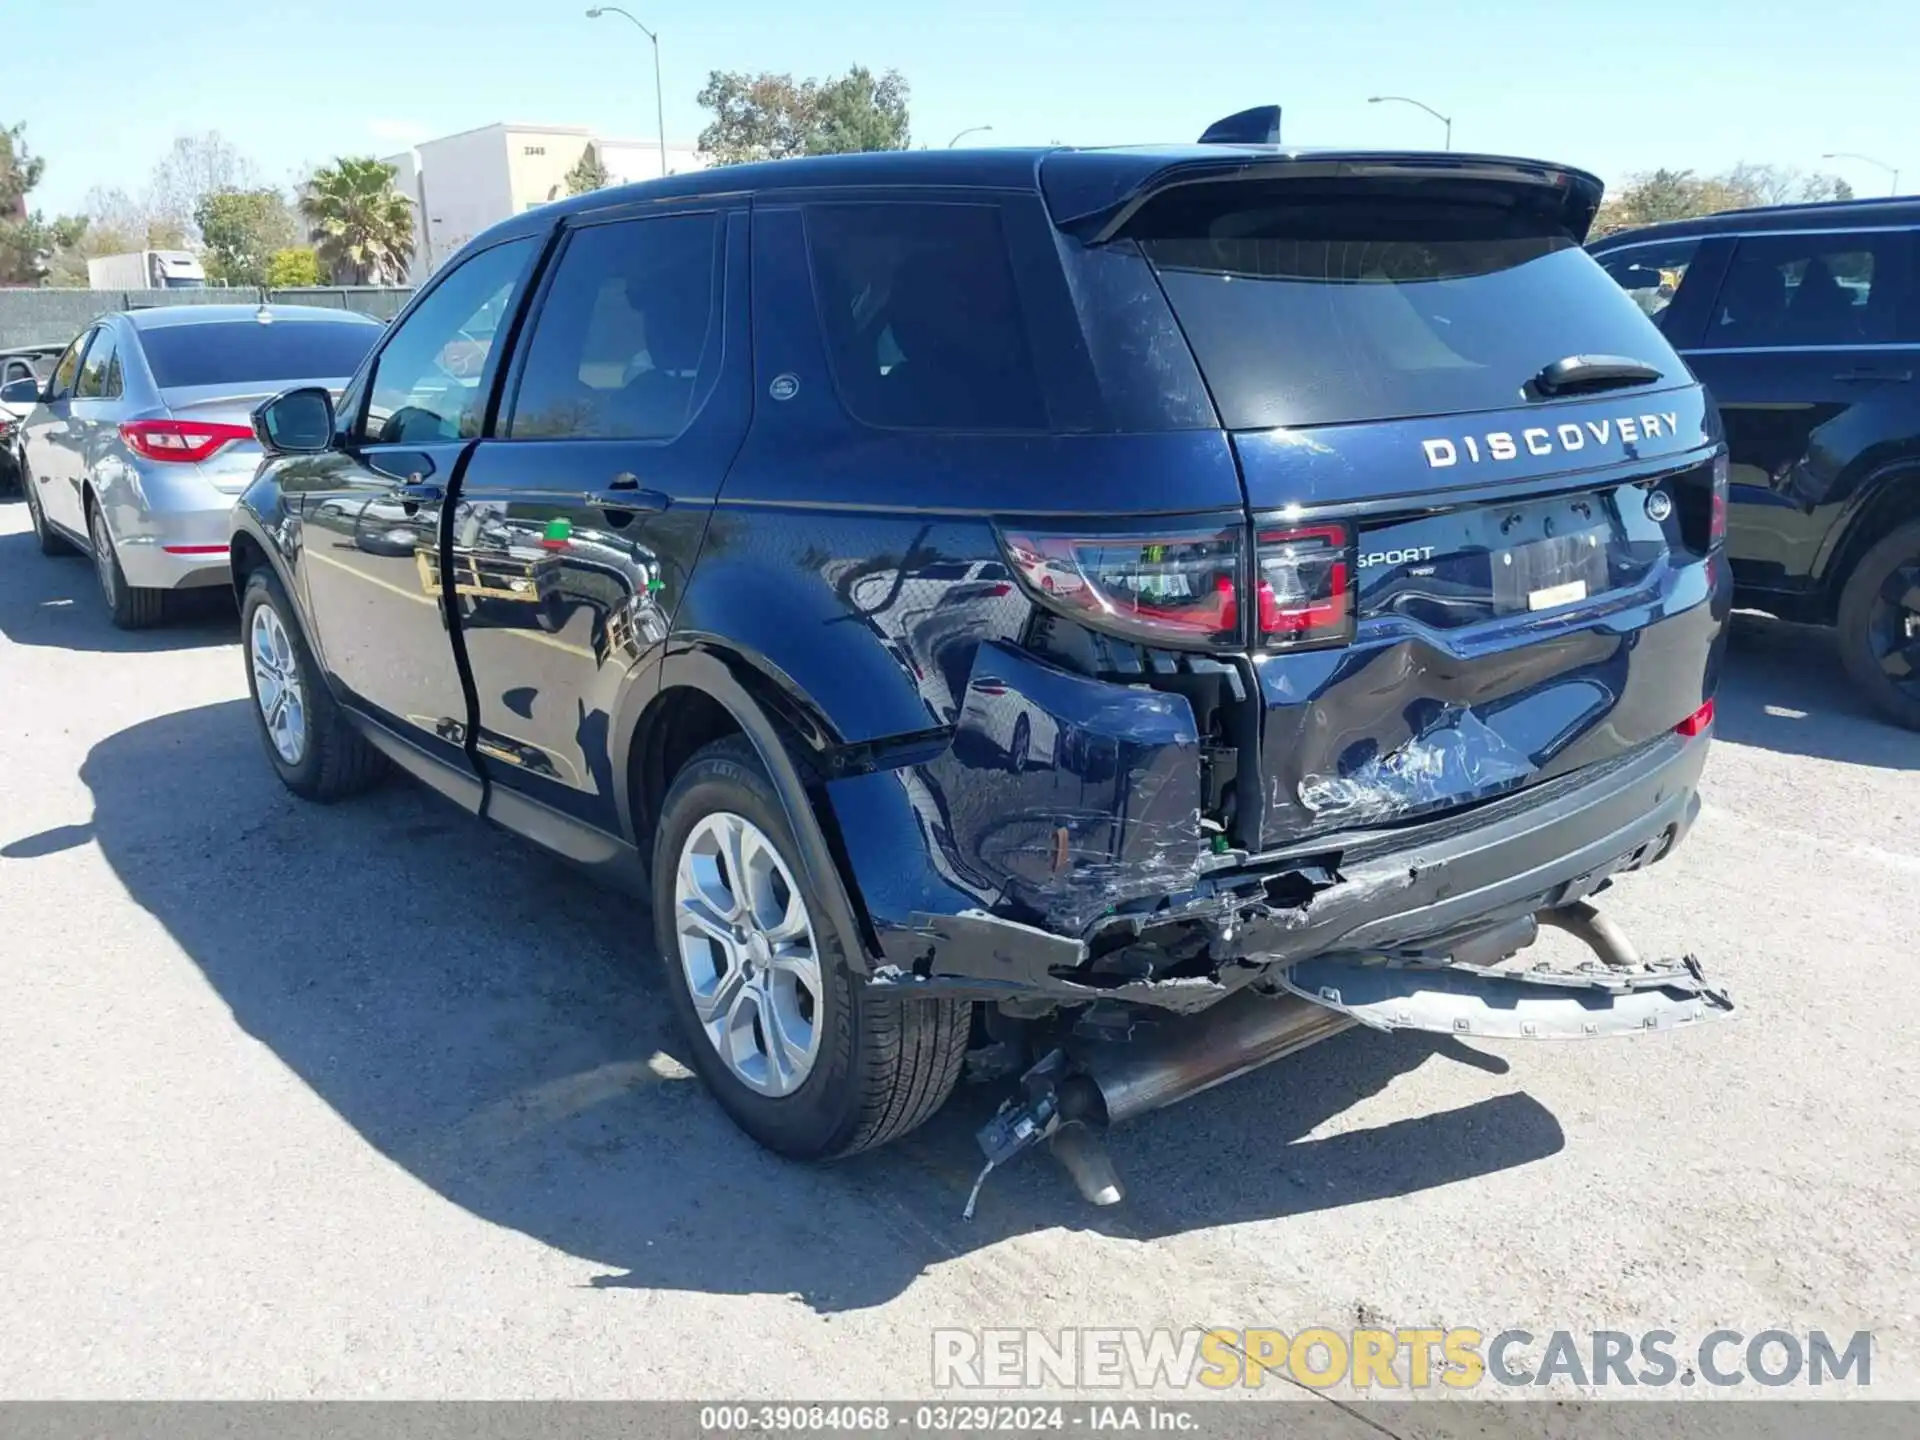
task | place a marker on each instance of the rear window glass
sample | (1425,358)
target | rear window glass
(1327,307)
(243,352)
(922,322)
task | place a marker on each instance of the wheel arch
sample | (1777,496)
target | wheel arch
(708,691)
(1889,499)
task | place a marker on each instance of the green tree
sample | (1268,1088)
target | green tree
(588,173)
(1652,196)
(29,242)
(774,117)
(242,230)
(293,267)
(361,226)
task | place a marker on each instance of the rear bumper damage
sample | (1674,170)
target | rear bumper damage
(1419,894)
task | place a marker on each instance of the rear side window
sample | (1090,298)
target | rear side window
(67,369)
(1318,303)
(1809,290)
(626,332)
(1652,274)
(92,384)
(923,324)
(247,352)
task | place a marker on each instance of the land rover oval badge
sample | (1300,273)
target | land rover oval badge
(1659,505)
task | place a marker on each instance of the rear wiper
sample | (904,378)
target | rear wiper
(1592,372)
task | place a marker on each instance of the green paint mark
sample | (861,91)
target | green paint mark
(559,531)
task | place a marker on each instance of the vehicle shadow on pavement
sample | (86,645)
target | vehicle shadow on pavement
(54,601)
(1783,688)
(493,1023)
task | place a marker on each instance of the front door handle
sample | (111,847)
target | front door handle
(424,490)
(1856,375)
(620,497)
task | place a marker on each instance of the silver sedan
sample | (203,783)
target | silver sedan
(141,437)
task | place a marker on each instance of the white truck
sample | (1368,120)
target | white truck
(147,270)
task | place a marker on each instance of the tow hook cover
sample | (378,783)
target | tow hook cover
(1530,1005)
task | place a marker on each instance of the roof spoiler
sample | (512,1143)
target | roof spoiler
(1258,126)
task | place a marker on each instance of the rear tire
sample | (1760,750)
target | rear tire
(331,759)
(49,540)
(880,1064)
(1879,625)
(132,607)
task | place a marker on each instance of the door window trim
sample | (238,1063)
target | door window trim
(1800,349)
(1600,250)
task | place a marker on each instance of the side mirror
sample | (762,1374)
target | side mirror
(295,422)
(20,392)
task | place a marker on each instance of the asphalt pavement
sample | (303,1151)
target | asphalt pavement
(370,1101)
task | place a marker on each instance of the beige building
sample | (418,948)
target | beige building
(460,184)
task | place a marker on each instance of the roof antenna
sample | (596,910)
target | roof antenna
(1258,126)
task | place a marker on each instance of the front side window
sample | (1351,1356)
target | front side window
(427,381)
(628,330)
(17,370)
(93,373)
(1801,290)
(67,370)
(923,324)
(1652,274)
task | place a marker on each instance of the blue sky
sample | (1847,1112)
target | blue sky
(1614,87)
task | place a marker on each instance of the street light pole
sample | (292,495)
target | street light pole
(970,130)
(659,100)
(1868,159)
(1445,120)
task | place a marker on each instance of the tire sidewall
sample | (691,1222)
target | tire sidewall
(822,1115)
(1856,608)
(263,590)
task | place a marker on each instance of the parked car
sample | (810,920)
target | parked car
(141,440)
(23,369)
(1804,323)
(1346,539)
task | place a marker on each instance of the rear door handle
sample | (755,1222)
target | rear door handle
(627,497)
(1854,375)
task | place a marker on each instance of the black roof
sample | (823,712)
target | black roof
(1079,182)
(1825,215)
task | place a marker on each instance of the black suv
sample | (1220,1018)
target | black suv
(990,599)
(1804,322)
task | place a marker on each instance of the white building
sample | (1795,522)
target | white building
(461,184)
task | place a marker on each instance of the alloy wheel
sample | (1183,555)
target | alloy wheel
(748,953)
(1893,627)
(277,686)
(103,556)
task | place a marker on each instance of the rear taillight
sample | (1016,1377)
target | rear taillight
(182,440)
(1305,578)
(1717,515)
(1696,723)
(1177,588)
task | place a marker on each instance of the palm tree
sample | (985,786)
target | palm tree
(361,226)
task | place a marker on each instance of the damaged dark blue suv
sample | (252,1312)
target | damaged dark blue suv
(1099,619)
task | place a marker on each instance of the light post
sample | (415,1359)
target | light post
(1445,120)
(970,130)
(1868,159)
(659,103)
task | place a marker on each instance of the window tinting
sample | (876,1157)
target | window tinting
(922,322)
(248,353)
(1652,274)
(427,380)
(1809,290)
(1325,304)
(626,334)
(93,374)
(17,370)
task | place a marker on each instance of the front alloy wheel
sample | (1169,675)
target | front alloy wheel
(277,687)
(748,953)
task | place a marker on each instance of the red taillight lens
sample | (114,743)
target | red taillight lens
(1305,585)
(1695,723)
(1176,588)
(182,440)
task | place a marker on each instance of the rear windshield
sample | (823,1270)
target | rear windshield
(246,352)
(1315,304)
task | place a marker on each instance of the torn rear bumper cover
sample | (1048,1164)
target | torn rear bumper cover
(1408,893)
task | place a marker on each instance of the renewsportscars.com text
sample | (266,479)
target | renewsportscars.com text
(1406,1359)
